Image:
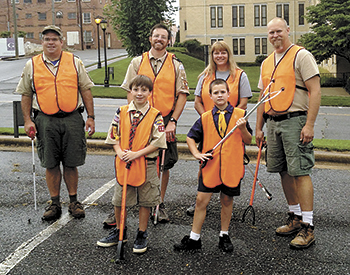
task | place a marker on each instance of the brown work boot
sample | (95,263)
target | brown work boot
(76,209)
(52,212)
(305,237)
(293,225)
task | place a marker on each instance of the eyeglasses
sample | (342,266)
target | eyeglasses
(46,39)
(158,36)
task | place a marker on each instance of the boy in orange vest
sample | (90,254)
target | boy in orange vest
(136,133)
(224,169)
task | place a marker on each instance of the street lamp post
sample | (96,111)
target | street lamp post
(104,27)
(98,21)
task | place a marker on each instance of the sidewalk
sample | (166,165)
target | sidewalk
(321,157)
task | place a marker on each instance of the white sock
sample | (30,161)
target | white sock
(223,233)
(295,209)
(194,236)
(308,217)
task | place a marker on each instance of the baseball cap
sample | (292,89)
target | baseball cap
(52,28)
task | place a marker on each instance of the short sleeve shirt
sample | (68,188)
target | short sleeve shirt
(157,138)
(26,86)
(305,68)
(181,85)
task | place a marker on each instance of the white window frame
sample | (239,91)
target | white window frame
(216,17)
(86,20)
(260,15)
(239,16)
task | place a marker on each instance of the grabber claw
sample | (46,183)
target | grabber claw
(120,252)
(249,208)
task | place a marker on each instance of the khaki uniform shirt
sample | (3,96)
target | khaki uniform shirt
(305,68)
(181,85)
(26,85)
(157,137)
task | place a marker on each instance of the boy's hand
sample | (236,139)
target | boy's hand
(204,157)
(241,123)
(129,156)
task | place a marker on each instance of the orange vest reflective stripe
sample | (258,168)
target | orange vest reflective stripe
(233,85)
(56,92)
(163,96)
(226,167)
(136,175)
(284,76)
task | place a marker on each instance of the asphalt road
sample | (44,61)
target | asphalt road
(30,246)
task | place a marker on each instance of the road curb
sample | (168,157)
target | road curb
(252,151)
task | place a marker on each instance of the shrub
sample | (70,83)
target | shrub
(347,86)
(259,59)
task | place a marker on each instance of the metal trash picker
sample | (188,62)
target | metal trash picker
(32,136)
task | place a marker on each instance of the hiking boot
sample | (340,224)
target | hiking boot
(190,210)
(52,212)
(162,215)
(112,238)
(140,244)
(293,225)
(305,237)
(110,221)
(76,209)
(188,244)
(225,243)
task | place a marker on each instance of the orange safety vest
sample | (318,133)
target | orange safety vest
(226,167)
(136,175)
(284,75)
(56,92)
(163,96)
(233,85)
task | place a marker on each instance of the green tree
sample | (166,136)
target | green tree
(330,25)
(132,21)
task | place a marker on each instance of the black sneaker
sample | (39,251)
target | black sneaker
(52,212)
(140,244)
(188,244)
(225,243)
(112,238)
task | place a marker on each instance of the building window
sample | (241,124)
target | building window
(238,46)
(301,14)
(71,0)
(27,1)
(16,1)
(86,0)
(42,15)
(86,17)
(282,11)
(58,0)
(72,15)
(41,1)
(260,45)
(59,14)
(260,15)
(185,25)
(238,16)
(30,35)
(87,36)
(213,40)
(28,15)
(216,17)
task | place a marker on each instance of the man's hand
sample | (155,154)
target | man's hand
(30,129)
(90,126)
(307,134)
(170,131)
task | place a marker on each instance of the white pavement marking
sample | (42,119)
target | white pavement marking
(25,248)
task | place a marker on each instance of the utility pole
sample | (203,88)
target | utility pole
(81,24)
(53,12)
(15,27)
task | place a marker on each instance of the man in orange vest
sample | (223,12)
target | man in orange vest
(290,119)
(170,90)
(56,86)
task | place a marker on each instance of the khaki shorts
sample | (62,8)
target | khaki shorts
(146,195)
(285,152)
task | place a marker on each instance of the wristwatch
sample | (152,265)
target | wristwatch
(93,117)
(173,120)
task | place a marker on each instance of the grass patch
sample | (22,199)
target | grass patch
(320,144)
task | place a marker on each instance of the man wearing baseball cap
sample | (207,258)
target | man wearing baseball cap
(56,86)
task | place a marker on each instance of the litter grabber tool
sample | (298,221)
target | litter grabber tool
(161,170)
(250,207)
(267,193)
(120,247)
(266,94)
(32,136)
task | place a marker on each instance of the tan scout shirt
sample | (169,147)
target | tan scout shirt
(305,68)
(157,138)
(181,80)
(26,86)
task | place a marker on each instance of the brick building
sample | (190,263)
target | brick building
(78,31)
